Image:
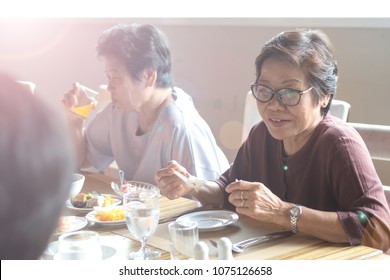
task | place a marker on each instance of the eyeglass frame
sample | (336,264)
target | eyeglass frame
(278,96)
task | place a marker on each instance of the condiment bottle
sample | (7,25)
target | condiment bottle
(201,251)
(225,249)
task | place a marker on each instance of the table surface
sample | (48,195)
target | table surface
(119,242)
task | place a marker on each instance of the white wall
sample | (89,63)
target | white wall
(213,60)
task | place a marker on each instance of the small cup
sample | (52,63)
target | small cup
(85,110)
(79,245)
(184,236)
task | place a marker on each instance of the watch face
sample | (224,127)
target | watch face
(294,211)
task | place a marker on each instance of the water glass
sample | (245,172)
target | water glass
(142,211)
(184,236)
(79,245)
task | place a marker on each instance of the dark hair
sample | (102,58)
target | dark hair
(140,47)
(311,51)
(36,165)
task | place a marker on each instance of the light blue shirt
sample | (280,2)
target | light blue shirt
(179,133)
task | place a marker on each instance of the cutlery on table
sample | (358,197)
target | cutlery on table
(191,181)
(95,194)
(115,187)
(121,176)
(239,247)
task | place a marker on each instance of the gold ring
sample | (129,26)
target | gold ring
(242,195)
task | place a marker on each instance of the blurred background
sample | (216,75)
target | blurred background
(213,61)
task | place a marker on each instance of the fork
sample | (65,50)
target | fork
(191,181)
(95,194)
(240,247)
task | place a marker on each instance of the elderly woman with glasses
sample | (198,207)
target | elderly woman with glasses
(300,168)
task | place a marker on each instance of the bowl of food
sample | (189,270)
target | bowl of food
(127,185)
(77,184)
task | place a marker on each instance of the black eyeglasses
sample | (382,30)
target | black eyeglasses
(286,96)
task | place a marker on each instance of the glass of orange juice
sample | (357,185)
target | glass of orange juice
(85,110)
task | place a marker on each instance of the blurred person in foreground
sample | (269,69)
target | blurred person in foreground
(300,167)
(36,165)
(149,121)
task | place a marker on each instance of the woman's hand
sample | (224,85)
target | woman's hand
(257,201)
(76,97)
(170,185)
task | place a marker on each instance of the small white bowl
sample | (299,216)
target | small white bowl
(121,190)
(77,184)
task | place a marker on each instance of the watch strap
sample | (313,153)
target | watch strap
(295,213)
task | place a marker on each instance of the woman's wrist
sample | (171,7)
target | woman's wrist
(75,120)
(208,194)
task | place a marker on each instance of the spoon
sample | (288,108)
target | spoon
(240,247)
(121,176)
(191,181)
(115,187)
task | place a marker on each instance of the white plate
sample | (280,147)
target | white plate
(91,216)
(69,205)
(52,249)
(210,220)
(70,223)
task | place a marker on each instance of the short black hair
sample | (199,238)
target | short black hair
(139,47)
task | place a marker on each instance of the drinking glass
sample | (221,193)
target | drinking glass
(142,211)
(85,110)
(79,245)
(184,236)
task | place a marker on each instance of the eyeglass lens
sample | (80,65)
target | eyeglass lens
(286,96)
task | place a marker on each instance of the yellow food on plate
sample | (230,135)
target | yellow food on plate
(82,200)
(108,201)
(115,214)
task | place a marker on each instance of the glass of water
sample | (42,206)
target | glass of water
(142,211)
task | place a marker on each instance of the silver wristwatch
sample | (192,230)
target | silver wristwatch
(295,213)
